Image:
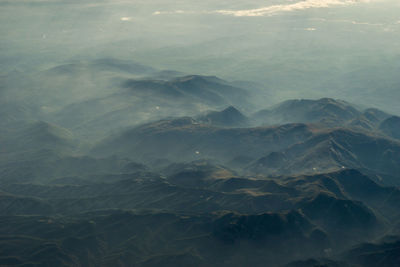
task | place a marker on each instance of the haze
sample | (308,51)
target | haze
(344,49)
(200,133)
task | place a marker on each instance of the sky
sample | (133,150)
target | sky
(286,45)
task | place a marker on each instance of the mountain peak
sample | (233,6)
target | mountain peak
(327,111)
(391,127)
(229,116)
(200,78)
(231,109)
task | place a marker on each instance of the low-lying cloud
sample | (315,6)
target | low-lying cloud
(273,9)
(302,5)
(126,19)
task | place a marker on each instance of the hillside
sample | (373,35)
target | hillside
(178,171)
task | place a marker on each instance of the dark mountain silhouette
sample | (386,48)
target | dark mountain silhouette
(336,149)
(166,75)
(375,115)
(320,216)
(353,221)
(207,90)
(18,205)
(101,237)
(375,254)
(326,111)
(318,262)
(391,127)
(229,117)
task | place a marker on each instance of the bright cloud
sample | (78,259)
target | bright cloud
(126,18)
(302,5)
(175,12)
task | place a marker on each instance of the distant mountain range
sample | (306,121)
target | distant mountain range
(113,163)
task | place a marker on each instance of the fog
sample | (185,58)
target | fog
(343,49)
(199,133)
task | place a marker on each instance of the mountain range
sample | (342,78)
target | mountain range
(112,163)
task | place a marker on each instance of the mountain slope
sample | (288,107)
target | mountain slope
(336,149)
(34,136)
(135,101)
(391,127)
(184,139)
(325,111)
(229,117)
